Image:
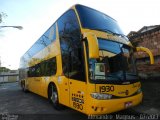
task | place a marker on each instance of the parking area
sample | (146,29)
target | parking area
(17,105)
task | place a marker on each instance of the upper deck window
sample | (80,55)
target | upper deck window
(71,46)
(93,19)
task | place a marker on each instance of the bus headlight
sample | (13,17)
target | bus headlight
(101,96)
(139,90)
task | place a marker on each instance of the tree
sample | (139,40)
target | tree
(2,15)
(4,69)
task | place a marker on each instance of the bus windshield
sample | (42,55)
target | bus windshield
(93,19)
(116,62)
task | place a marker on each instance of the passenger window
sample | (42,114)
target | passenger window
(52,33)
(38,70)
(46,39)
(71,46)
(51,67)
(45,68)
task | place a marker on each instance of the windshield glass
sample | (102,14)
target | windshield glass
(116,62)
(93,19)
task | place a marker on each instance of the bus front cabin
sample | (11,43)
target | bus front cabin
(94,65)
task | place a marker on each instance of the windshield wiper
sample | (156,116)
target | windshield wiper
(114,76)
(131,74)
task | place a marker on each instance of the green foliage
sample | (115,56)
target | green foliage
(2,15)
(4,69)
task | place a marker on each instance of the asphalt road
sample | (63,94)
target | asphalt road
(17,105)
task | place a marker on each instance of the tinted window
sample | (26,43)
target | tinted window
(71,46)
(37,70)
(23,73)
(45,68)
(120,65)
(50,67)
(93,19)
(110,46)
(46,39)
(52,33)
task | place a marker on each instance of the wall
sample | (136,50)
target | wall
(151,40)
(11,76)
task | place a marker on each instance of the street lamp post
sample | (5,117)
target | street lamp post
(18,27)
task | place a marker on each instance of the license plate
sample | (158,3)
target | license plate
(128,104)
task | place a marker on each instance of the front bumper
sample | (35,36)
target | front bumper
(95,107)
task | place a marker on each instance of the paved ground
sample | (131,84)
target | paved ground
(14,102)
(16,105)
(151,99)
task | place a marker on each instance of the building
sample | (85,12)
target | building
(9,76)
(0,61)
(147,36)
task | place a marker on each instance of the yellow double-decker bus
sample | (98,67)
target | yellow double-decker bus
(85,62)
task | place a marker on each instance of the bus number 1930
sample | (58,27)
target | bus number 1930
(77,105)
(106,89)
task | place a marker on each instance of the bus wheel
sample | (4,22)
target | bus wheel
(23,87)
(53,97)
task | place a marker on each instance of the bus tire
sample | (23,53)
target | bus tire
(53,97)
(23,87)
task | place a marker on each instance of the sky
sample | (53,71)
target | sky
(36,16)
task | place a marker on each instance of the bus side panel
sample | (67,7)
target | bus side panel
(63,90)
(30,83)
(78,95)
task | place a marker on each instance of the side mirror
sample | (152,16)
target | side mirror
(147,51)
(92,45)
